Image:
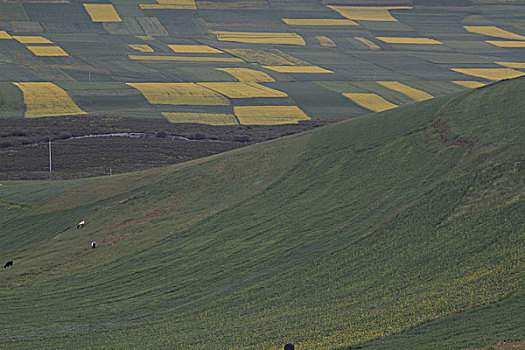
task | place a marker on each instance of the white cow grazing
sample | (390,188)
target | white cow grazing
(94,245)
(81,223)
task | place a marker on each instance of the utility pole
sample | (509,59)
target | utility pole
(50,166)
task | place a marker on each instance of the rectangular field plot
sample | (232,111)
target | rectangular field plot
(193,49)
(269,115)
(318,22)
(416,41)
(298,69)
(504,43)
(102,13)
(179,94)
(27,39)
(494,31)
(409,91)
(261,38)
(248,75)
(170,5)
(471,84)
(201,118)
(369,101)
(50,51)
(141,47)
(369,13)
(47,100)
(490,73)
(243,90)
(184,58)
(266,57)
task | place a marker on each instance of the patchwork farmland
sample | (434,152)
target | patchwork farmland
(380,54)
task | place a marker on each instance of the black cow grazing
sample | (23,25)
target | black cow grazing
(289,346)
(94,245)
(81,224)
(9,263)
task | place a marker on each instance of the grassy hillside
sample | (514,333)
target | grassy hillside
(401,229)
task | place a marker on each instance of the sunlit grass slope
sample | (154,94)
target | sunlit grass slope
(379,232)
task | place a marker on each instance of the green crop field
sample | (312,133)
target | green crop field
(396,230)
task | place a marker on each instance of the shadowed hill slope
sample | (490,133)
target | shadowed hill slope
(372,232)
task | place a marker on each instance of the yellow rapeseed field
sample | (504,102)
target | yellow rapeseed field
(494,31)
(490,73)
(25,39)
(409,91)
(179,94)
(248,75)
(102,12)
(504,43)
(243,90)
(518,65)
(47,51)
(145,37)
(400,40)
(4,35)
(261,38)
(369,13)
(370,101)
(325,41)
(193,49)
(471,84)
(371,45)
(318,22)
(298,69)
(266,57)
(47,100)
(184,58)
(269,115)
(141,47)
(170,5)
(201,118)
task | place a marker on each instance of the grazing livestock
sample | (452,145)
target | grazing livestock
(289,346)
(9,263)
(94,245)
(81,224)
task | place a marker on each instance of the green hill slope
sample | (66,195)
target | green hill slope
(379,232)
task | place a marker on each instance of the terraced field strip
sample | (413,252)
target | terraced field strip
(402,40)
(266,57)
(409,91)
(184,58)
(299,69)
(471,84)
(49,51)
(29,39)
(193,49)
(368,13)
(4,35)
(201,118)
(370,101)
(43,99)
(243,90)
(141,47)
(248,75)
(261,38)
(269,115)
(102,12)
(318,22)
(145,37)
(518,65)
(494,31)
(325,41)
(490,73)
(179,94)
(510,44)
(170,5)
(371,45)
